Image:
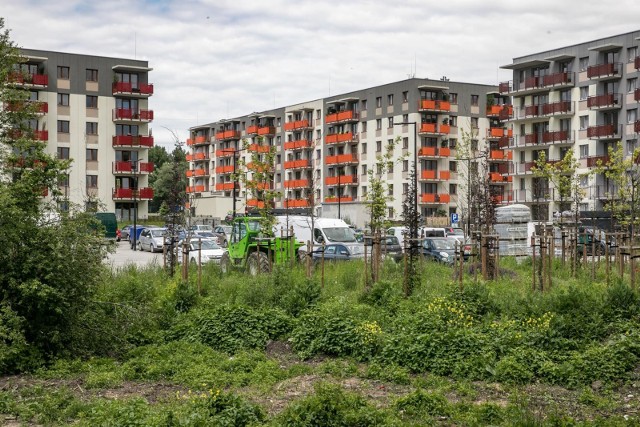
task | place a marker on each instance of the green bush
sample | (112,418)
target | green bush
(15,353)
(422,405)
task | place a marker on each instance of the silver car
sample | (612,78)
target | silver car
(152,239)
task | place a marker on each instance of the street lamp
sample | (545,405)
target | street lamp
(134,169)
(413,232)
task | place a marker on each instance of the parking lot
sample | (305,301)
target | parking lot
(125,256)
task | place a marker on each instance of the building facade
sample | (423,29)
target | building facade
(583,97)
(325,149)
(94,111)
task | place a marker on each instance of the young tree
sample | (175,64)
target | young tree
(411,220)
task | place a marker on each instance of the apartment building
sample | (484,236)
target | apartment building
(94,111)
(325,149)
(583,97)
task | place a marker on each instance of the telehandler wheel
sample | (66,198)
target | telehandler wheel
(225,263)
(257,263)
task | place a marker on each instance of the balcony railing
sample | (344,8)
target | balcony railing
(636,126)
(296,203)
(227,134)
(298,144)
(144,193)
(499,133)
(593,161)
(132,115)
(132,141)
(340,138)
(295,125)
(197,172)
(557,79)
(197,189)
(341,116)
(561,107)
(434,129)
(636,95)
(127,167)
(611,69)
(226,186)
(198,140)
(257,148)
(198,156)
(225,152)
(129,89)
(435,198)
(500,155)
(341,179)
(434,105)
(504,87)
(498,178)
(602,101)
(334,199)
(341,159)
(503,112)
(296,183)
(602,131)
(434,152)
(224,169)
(29,79)
(636,63)
(37,107)
(266,130)
(297,164)
(434,175)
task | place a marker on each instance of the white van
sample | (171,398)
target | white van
(325,230)
(401,232)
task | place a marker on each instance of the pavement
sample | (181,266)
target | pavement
(125,256)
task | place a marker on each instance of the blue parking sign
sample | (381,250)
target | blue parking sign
(454,218)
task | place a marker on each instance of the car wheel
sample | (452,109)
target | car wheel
(139,246)
(224,243)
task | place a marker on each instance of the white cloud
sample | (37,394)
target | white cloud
(215,59)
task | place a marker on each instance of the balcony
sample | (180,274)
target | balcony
(224,169)
(198,140)
(341,117)
(266,130)
(144,193)
(193,173)
(434,129)
(225,152)
(504,87)
(500,155)
(255,203)
(496,133)
(296,183)
(197,189)
(636,126)
(557,108)
(123,167)
(226,186)
(296,203)
(129,115)
(558,79)
(298,145)
(341,159)
(502,198)
(334,199)
(227,135)
(593,161)
(197,157)
(341,180)
(433,175)
(434,152)
(340,138)
(41,80)
(434,105)
(498,178)
(142,90)
(296,125)
(257,148)
(603,131)
(503,112)
(252,130)
(531,111)
(606,101)
(636,63)
(636,95)
(297,164)
(41,135)
(37,107)
(603,71)
(434,198)
(124,141)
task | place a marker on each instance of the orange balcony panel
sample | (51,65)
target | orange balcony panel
(296,183)
(200,139)
(445,175)
(225,152)
(259,167)
(252,129)
(337,138)
(228,134)
(446,129)
(494,110)
(444,198)
(293,164)
(497,132)
(296,145)
(189,157)
(428,151)
(342,179)
(201,172)
(331,118)
(434,105)
(200,156)
(255,203)
(256,148)
(335,199)
(289,126)
(301,124)
(296,203)
(496,155)
(199,188)
(189,142)
(429,174)
(341,158)
(266,130)
(428,197)
(190,173)
(347,115)
(225,186)
(444,152)
(495,177)
(428,128)
(224,169)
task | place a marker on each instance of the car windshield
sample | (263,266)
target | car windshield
(205,234)
(391,240)
(226,229)
(204,228)
(206,245)
(339,234)
(443,244)
(456,231)
(157,233)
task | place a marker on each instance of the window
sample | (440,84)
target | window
(454,98)
(63,153)
(92,75)
(453,121)
(584,151)
(632,115)
(92,128)
(364,191)
(390,167)
(405,165)
(363,126)
(584,92)
(92,101)
(364,169)
(92,181)
(63,99)
(474,145)
(364,148)
(390,190)
(63,180)
(390,122)
(632,53)
(584,122)
(378,146)
(453,188)
(453,166)
(379,102)
(584,181)
(92,155)
(63,73)
(453,143)
(278,159)
(390,99)
(364,105)
(405,188)
(405,142)
(378,124)
(405,96)
(583,63)
(390,212)
(632,84)
(475,100)
(474,122)
(318,114)
(63,126)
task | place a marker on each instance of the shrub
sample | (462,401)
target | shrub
(422,404)
(15,353)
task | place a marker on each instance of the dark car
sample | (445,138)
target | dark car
(124,233)
(389,247)
(594,246)
(441,249)
(338,252)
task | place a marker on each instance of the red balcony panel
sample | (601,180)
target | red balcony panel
(333,199)
(557,79)
(224,169)
(141,89)
(444,152)
(342,179)
(603,70)
(636,63)
(338,138)
(144,193)
(132,141)
(504,87)
(295,164)
(296,183)
(257,148)
(225,152)
(605,100)
(556,136)
(341,158)
(506,112)
(429,174)
(556,108)
(532,138)
(636,126)
(428,151)
(296,145)
(132,115)
(445,175)
(41,135)
(434,105)
(289,126)
(122,167)
(593,161)
(331,118)
(296,203)
(225,186)
(532,82)
(347,115)
(602,131)
(200,156)
(531,110)
(252,129)
(266,130)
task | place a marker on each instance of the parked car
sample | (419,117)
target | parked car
(455,232)
(389,246)
(205,235)
(152,239)
(439,249)
(594,246)
(124,232)
(200,227)
(205,250)
(139,229)
(223,233)
(338,252)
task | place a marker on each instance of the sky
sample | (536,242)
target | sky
(217,59)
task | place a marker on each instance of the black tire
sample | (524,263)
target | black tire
(257,263)
(225,263)
(225,243)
